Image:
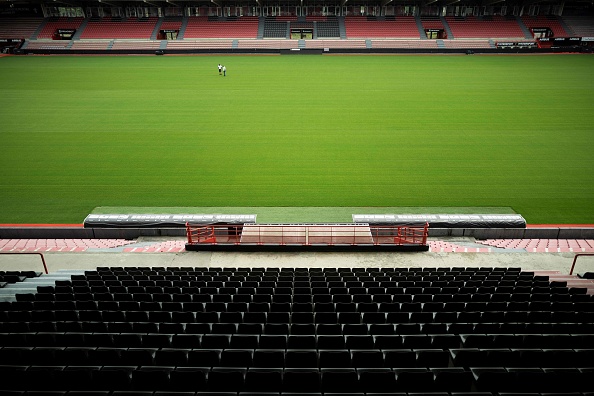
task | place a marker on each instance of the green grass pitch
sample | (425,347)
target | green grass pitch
(78,133)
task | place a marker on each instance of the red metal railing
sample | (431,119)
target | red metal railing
(307,234)
(203,234)
(40,254)
(575,259)
(400,235)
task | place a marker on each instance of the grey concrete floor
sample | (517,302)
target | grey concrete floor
(88,260)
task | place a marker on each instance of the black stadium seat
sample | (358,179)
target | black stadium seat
(300,331)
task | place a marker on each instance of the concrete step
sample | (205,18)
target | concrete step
(29,285)
(23,285)
(68,272)
(46,280)
(5,291)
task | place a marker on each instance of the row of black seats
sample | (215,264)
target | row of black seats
(303,358)
(312,283)
(7,277)
(326,338)
(302,341)
(305,275)
(255,393)
(268,297)
(236,281)
(284,296)
(28,274)
(406,322)
(332,291)
(224,341)
(433,287)
(532,357)
(385,313)
(309,277)
(285,323)
(250,341)
(263,358)
(267,302)
(151,378)
(339,303)
(300,328)
(412,270)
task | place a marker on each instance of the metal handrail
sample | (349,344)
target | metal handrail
(575,259)
(40,254)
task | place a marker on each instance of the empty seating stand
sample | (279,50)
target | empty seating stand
(377,27)
(19,28)
(119,28)
(285,331)
(328,27)
(215,27)
(580,26)
(489,26)
(542,21)
(274,28)
(171,23)
(54,24)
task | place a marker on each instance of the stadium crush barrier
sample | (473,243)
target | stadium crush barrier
(40,254)
(575,259)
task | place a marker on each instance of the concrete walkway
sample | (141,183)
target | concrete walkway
(91,258)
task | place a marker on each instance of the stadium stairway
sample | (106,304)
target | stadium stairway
(157,27)
(182,29)
(422,34)
(341,28)
(29,285)
(81,29)
(261,21)
(571,281)
(39,29)
(527,33)
(566,27)
(447,28)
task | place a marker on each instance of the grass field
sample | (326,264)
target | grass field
(78,133)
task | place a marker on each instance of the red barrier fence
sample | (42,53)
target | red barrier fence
(205,234)
(307,234)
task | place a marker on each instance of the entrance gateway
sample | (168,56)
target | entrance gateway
(301,34)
